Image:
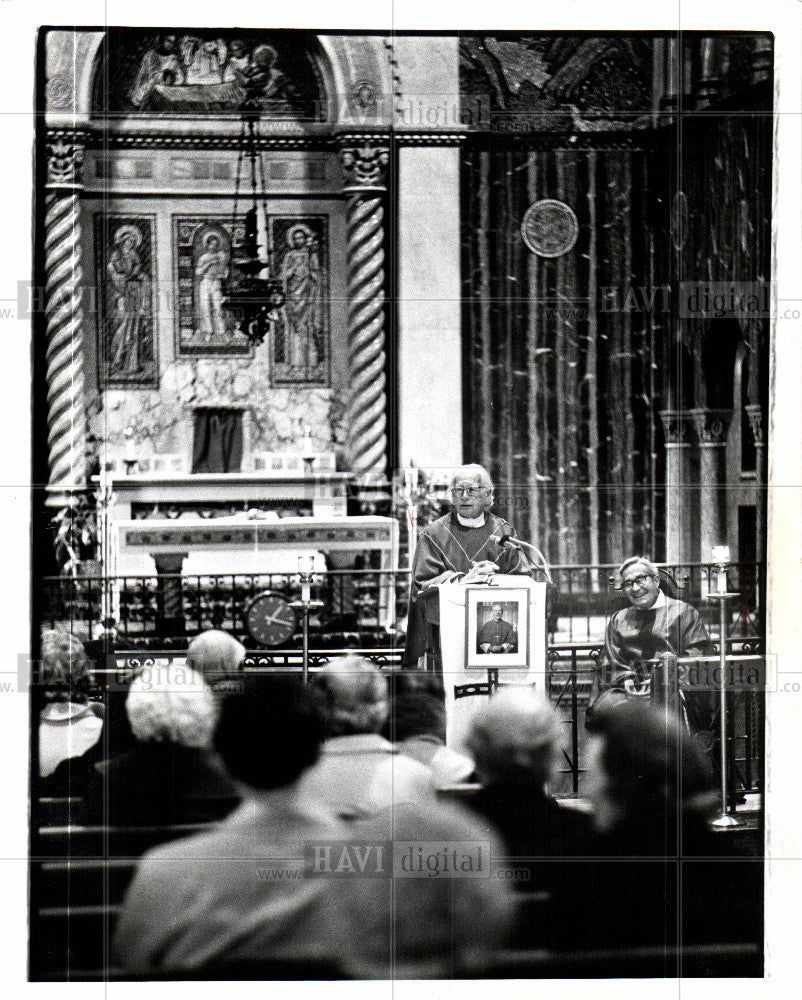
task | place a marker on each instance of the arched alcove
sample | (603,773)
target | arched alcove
(719,349)
(202,73)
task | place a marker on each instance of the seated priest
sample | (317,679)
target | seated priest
(654,623)
(466,544)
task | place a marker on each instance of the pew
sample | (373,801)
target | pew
(72,937)
(59,810)
(79,875)
(107,841)
(737,960)
(84,881)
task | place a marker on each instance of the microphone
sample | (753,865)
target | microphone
(504,537)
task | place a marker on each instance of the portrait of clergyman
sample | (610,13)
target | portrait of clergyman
(497,632)
(497,627)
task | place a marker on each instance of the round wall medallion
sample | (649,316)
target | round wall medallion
(363,97)
(549,228)
(59,92)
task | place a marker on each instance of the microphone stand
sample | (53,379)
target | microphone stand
(520,545)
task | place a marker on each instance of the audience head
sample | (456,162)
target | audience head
(355,696)
(515,737)
(174,705)
(418,713)
(64,669)
(471,491)
(644,764)
(269,731)
(640,581)
(215,654)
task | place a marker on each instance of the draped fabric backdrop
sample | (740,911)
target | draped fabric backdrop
(217,446)
(559,353)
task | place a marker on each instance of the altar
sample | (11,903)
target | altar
(171,524)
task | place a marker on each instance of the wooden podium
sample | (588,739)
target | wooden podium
(462,622)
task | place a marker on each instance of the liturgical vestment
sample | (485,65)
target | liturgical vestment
(446,550)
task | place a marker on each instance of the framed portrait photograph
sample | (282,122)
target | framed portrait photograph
(497,627)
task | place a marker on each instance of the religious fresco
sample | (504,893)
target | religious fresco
(203,72)
(300,341)
(124,260)
(557,83)
(203,248)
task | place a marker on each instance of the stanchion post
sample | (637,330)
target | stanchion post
(721,556)
(306,565)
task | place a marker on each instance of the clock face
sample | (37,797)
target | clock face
(270,619)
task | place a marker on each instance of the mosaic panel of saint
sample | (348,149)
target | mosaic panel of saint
(300,345)
(203,267)
(124,257)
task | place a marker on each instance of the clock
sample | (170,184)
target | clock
(270,619)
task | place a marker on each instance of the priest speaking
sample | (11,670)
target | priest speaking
(468,544)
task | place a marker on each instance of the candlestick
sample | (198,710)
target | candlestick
(721,557)
(306,566)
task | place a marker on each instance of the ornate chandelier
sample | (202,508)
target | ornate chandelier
(252,301)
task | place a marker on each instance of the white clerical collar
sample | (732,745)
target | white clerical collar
(660,601)
(471,522)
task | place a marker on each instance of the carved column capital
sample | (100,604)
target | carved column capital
(677,427)
(762,59)
(65,157)
(755,416)
(711,426)
(713,58)
(364,162)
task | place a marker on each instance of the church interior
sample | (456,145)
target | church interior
(290,282)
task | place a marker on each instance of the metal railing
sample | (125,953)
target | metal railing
(357,605)
(569,673)
(167,606)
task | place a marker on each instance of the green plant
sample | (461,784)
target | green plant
(76,533)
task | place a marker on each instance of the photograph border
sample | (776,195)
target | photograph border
(493,661)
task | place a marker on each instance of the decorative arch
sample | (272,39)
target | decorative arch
(355,74)
(355,66)
(71,61)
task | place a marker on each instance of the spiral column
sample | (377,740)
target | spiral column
(364,167)
(66,414)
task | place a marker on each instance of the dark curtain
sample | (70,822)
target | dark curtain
(217,445)
(560,394)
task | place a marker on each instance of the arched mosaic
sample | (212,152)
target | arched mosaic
(201,72)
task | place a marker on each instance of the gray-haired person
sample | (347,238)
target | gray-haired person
(360,772)
(465,545)
(654,623)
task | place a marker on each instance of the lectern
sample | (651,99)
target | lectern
(482,636)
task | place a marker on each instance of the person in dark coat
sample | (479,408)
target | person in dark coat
(172,775)
(514,740)
(658,875)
